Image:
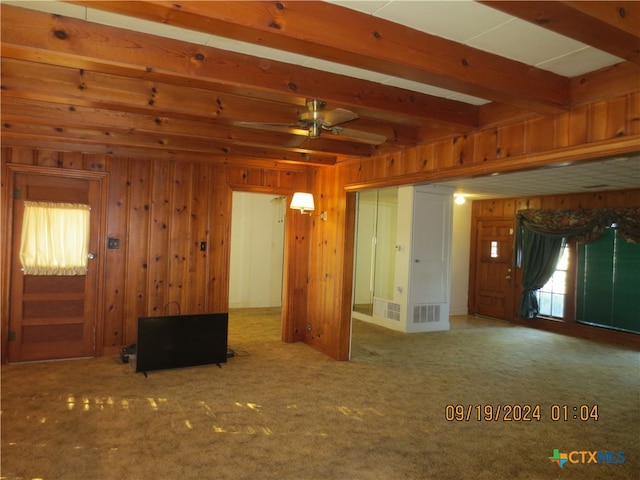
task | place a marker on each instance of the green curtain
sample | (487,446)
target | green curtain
(541,235)
(540,255)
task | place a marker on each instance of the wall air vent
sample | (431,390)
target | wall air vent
(426,313)
(386,309)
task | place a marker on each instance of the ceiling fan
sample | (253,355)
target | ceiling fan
(315,121)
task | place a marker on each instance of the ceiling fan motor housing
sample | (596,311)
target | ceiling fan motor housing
(315,128)
(312,119)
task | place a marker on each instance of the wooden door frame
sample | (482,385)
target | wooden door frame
(9,171)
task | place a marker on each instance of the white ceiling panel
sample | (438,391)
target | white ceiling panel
(579,62)
(256,50)
(364,6)
(461,97)
(67,9)
(419,87)
(347,70)
(145,26)
(611,174)
(527,43)
(455,20)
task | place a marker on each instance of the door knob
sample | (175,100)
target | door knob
(91,256)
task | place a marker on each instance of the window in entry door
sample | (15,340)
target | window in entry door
(55,238)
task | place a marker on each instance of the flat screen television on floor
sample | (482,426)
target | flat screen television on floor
(178,341)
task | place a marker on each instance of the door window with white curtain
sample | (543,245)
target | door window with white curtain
(55,238)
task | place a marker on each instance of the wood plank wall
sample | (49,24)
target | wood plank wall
(589,131)
(331,265)
(161,211)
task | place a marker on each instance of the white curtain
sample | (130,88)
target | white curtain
(55,238)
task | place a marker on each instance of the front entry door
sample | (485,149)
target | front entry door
(494,288)
(53,317)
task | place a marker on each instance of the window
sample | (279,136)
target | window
(608,283)
(605,288)
(552,296)
(494,249)
(55,238)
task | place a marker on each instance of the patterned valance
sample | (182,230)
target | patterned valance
(585,226)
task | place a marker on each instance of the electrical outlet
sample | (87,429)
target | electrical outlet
(113,243)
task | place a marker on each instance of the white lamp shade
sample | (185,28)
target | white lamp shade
(302,201)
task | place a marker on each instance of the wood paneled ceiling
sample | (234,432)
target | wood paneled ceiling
(412,72)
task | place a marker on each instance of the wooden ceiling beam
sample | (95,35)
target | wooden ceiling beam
(45,38)
(371,43)
(612,27)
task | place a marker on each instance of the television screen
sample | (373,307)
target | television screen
(178,341)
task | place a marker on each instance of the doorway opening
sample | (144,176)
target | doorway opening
(256,263)
(375,251)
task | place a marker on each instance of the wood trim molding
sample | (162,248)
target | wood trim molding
(574,154)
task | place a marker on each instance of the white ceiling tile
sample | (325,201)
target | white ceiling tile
(579,62)
(454,20)
(364,6)
(146,26)
(73,11)
(340,69)
(256,50)
(461,97)
(418,87)
(525,42)
(616,174)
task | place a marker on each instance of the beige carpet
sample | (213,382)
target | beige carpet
(286,411)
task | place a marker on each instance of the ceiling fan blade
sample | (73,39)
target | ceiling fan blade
(338,116)
(358,135)
(295,141)
(310,124)
(264,125)
(275,127)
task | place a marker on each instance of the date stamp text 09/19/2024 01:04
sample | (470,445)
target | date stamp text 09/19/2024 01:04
(520,413)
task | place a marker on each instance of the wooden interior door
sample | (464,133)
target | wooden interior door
(494,282)
(53,317)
